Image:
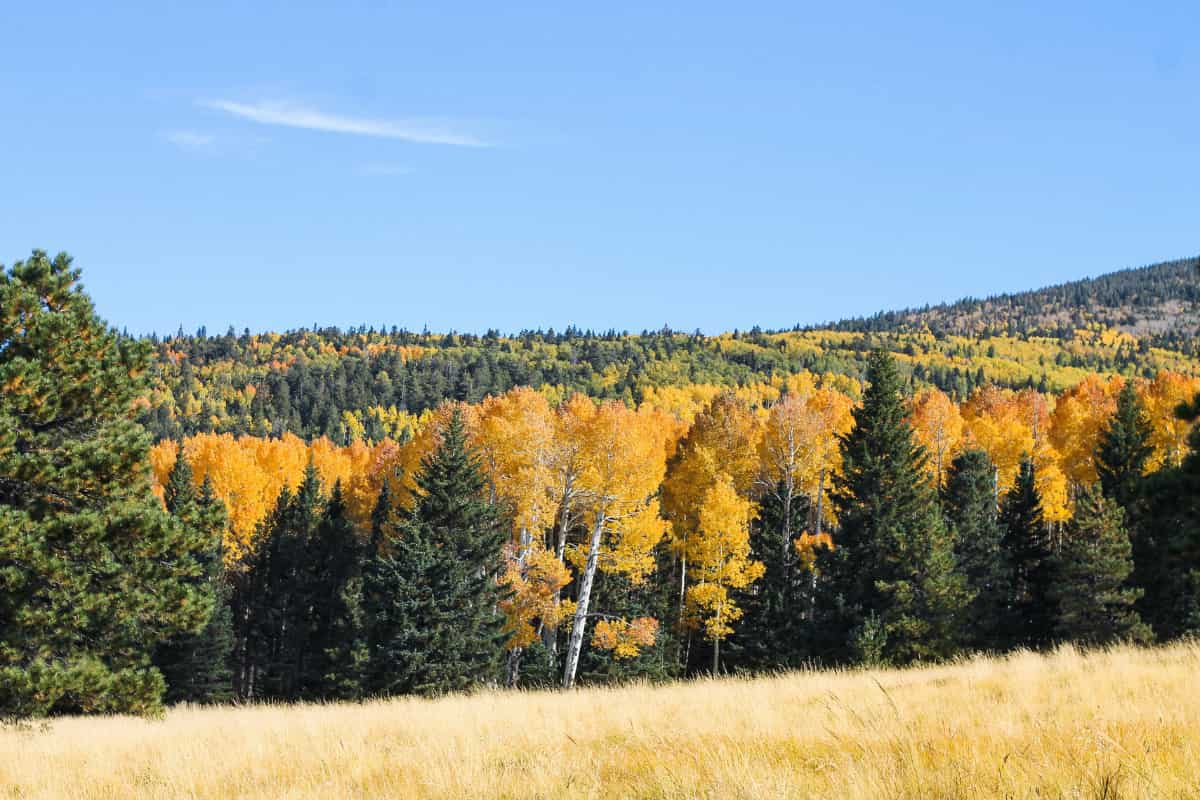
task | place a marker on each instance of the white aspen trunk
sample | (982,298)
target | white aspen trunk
(812,579)
(682,579)
(513,671)
(820,499)
(550,635)
(716,657)
(788,496)
(575,641)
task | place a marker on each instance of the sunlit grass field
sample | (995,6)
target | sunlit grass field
(1118,724)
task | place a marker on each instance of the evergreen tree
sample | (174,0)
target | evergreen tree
(1166,542)
(1030,614)
(197,666)
(432,591)
(969,503)
(889,591)
(773,629)
(1092,599)
(93,572)
(1124,449)
(334,595)
(383,617)
(279,595)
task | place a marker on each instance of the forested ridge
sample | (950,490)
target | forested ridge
(1159,302)
(332,382)
(553,534)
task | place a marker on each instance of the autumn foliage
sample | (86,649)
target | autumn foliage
(689,460)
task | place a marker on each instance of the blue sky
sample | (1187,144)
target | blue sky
(606,165)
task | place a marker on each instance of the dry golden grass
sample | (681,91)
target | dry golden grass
(1118,724)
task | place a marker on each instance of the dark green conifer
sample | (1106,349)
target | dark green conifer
(432,592)
(93,573)
(196,666)
(279,597)
(773,629)
(1093,601)
(889,591)
(1029,620)
(334,594)
(969,503)
(1124,449)
(1166,542)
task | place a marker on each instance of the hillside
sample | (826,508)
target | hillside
(1159,303)
(1122,723)
(1136,322)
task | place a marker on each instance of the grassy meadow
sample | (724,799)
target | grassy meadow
(1123,723)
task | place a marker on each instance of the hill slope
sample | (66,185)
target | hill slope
(1161,301)
(1135,322)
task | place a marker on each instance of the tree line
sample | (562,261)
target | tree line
(516,543)
(351,384)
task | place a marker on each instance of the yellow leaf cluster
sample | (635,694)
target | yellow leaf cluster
(625,639)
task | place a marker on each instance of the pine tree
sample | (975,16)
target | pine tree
(969,503)
(334,595)
(1124,449)
(1166,542)
(93,573)
(1093,601)
(279,595)
(1026,543)
(383,617)
(432,591)
(889,591)
(197,666)
(772,633)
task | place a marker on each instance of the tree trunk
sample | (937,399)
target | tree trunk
(550,635)
(575,642)
(820,500)
(716,657)
(513,671)
(682,581)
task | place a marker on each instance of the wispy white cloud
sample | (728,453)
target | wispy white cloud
(384,169)
(295,116)
(189,140)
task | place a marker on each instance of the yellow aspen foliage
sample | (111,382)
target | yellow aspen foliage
(621,462)
(534,583)
(1170,433)
(370,468)
(162,460)
(515,442)
(994,422)
(719,554)
(1081,414)
(798,448)
(566,463)
(939,427)
(396,424)
(723,440)
(623,466)
(240,480)
(625,639)
(353,423)
(247,474)
(806,545)
(514,439)
(1010,425)
(681,402)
